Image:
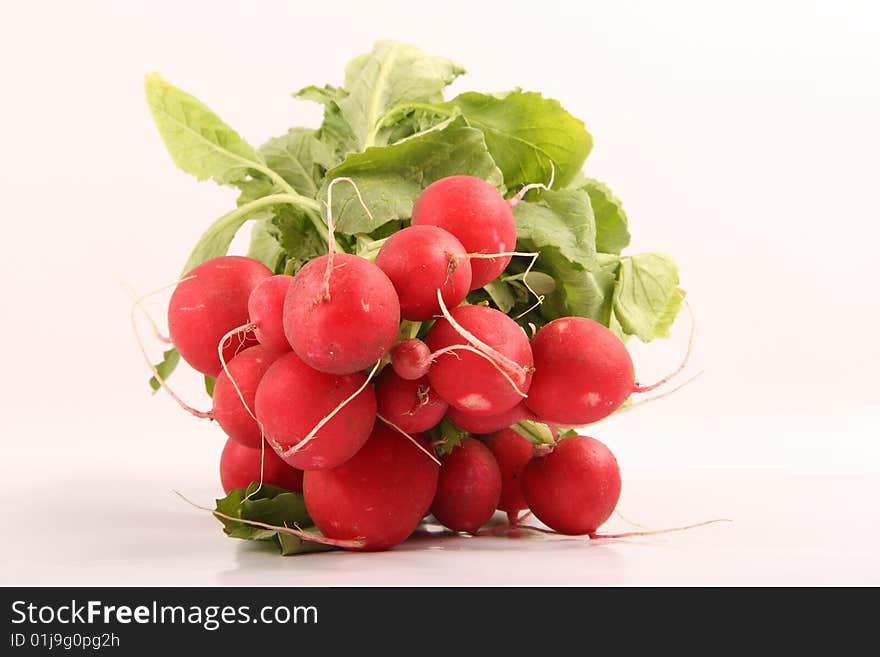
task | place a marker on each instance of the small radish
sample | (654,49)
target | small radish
(293,399)
(379,495)
(411,359)
(575,488)
(247,370)
(341,314)
(210,301)
(583,372)
(513,453)
(469,487)
(487,384)
(266,312)
(481,424)
(240,467)
(476,213)
(413,406)
(420,260)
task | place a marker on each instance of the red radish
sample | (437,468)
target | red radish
(476,213)
(472,383)
(583,372)
(240,467)
(420,260)
(488,423)
(575,488)
(246,369)
(513,453)
(413,406)
(411,359)
(293,398)
(380,494)
(266,311)
(469,487)
(210,301)
(342,319)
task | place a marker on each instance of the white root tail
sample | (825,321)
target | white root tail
(311,435)
(527,188)
(517,371)
(331,241)
(525,279)
(138,305)
(410,438)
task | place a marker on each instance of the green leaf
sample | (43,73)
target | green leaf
(165,367)
(612,232)
(197,139)
(334,134)
(296,235)
(391,177)
(393,73)
(447,436)
(265,247)
(561,227)
(561,219)
(525,132)
(501,295)
(647,297)
(295,156)
(210,381)
(272,506)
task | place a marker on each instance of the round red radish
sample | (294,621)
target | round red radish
(379,495)
(293,398)
(247,369)
(210,301)
(240,467)
(513,453)
(583,372)
(575,488)
(411,405)
(266,310)
(470,382)
(420,260)
(476,213)
(469,487)
(488,423)
(351,328)
(411,359)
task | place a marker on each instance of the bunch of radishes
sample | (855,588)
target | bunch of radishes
(313,364)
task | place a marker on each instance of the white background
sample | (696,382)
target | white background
(743,138)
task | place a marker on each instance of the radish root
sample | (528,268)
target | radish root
(527,188)
(138,305)
(331,241)
(410,438)
(684,362)
(311,435)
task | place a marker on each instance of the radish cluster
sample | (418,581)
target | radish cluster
(319,389)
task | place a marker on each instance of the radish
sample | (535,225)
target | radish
(469,487)
(583,372)
(420,260)
(476,213)
(341,313)
(266,310)
(379,495)
(246,371)
(480,424)
(240,466)
(411,359)
(209,302)
(488,383)
(412,406)
(575,488)
(298,404)
(513,453)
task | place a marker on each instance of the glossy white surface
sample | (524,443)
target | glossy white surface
(88,526)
